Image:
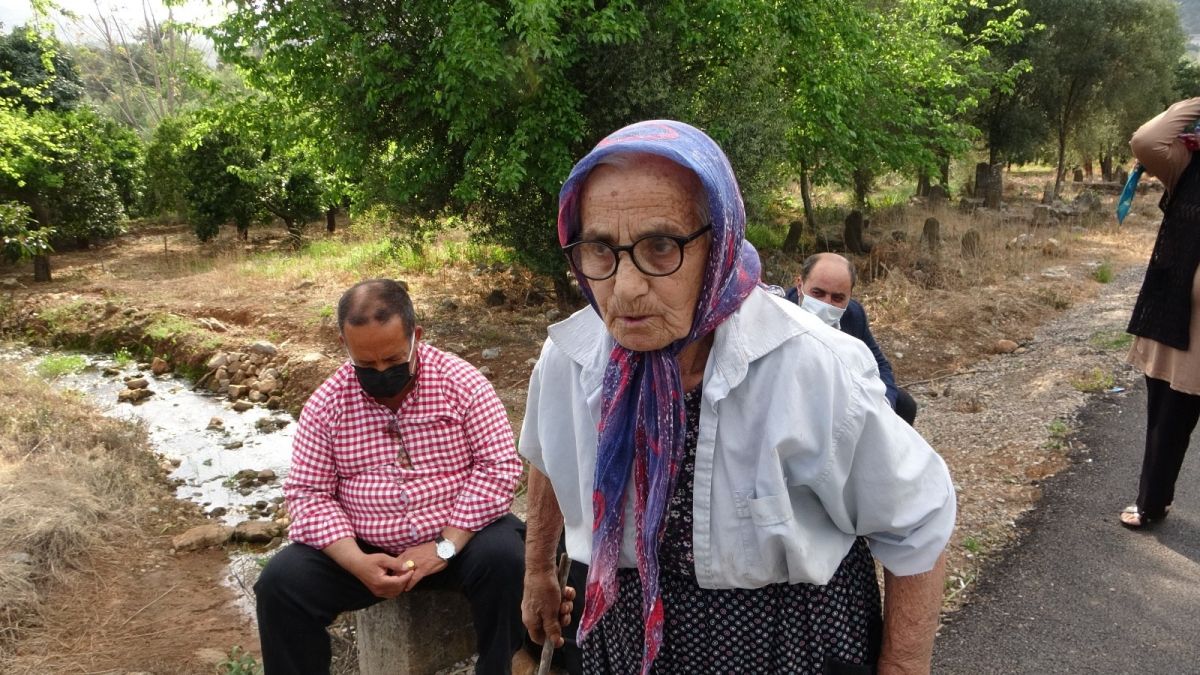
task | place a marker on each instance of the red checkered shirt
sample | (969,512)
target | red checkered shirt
(445,458)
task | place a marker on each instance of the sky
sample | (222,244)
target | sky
(18,12)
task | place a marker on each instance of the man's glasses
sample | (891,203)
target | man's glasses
(657,255)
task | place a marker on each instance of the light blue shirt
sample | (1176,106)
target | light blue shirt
(798,451)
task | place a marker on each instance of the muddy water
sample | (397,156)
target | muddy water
(179,422)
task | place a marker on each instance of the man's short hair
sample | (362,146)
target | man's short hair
(811,261)
(377,300)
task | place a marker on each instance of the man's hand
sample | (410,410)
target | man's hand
(382,574)
(426,562)
(545,608)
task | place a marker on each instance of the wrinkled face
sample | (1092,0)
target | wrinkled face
(620,205)
(828,282)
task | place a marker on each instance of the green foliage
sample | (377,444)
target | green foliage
(1095,380)
(215,194)
(1103,272)
(122,357)
(57,365)
(166,180)
(239,662)
(17,240)
(1111,340)
(36,73)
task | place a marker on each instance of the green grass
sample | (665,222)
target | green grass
(1057,432)
(167,326)
(1094,381)
(1103,273)
(1112,340)
(239,663)
(972,545)
(122,357)
(63,315)
(57,365)
(766,237)
(372,258)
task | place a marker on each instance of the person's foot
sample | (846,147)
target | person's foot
(1136,519)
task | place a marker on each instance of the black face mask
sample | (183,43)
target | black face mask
(384,383)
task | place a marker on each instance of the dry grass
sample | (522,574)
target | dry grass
(69,482)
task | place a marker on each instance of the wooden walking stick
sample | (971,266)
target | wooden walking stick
(564,566)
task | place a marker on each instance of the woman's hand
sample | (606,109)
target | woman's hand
(545,608)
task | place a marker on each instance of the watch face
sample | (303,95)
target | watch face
(445,549)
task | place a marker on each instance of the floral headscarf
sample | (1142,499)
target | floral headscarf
(642,419)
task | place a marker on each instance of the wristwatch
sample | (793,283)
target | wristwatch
(445,548)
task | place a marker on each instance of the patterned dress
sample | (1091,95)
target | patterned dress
(781,628)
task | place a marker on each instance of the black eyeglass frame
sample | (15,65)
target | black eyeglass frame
(680,241)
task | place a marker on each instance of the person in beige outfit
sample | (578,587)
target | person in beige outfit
(1167,346)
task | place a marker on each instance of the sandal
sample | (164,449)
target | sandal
(1136,519)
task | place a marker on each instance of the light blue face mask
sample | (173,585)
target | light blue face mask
(824,311)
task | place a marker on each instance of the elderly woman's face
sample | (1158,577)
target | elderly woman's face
(620,205)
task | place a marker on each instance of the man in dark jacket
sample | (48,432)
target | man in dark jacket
(823,288)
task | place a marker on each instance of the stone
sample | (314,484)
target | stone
(938,195)
(266,476)
(256,396)
(486,372)
(553,314)
(307,283)
(531,362)
(852,233)
(931,235)
(274,403)
(266,387)
(311,357)
(1021,242)
(490,353)
(213,324)
(242,406)
(218,512)
(267,425)
(159,366)
(237,391)
(111,371)
(899,236)
(1005,346)
(496,298)
(137,383)
(134,395)
(216,424)
(970,244)
(264,347)
(204,536)
(233,445)
(448,305)
(218,360)
(269,374)
(1087,201)
(1053,248)
(455,348)
(255,531)
(415,633)
(1077,175)
(1056,273)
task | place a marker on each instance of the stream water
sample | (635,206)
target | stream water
(180,424)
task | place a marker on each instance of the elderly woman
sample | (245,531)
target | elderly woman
(721,459)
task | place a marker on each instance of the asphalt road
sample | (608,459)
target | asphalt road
(1079,593)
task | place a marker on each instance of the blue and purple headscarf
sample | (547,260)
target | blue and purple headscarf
(642,418)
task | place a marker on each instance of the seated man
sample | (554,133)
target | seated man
(823,288)
(403,470)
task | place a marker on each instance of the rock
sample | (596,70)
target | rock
(1087,201)
(931,235)
(496,298)
(218,360)
(266,476)
(213,325)
(218,512)
(216,424)
(1056,273)
(455,348)
(232,445)
(267,425)
(237,391)
(970,244)
(486,372)
(201,537)
(264,347)
(531,362)
(20,558)
(1041,216)
(938,195)
(490,353)
(1053,248)
(255,531)
(1005,346)
(137,383)
(448,305)
(266,387)
(1021,241)
(269,374)
(307,283)
(311,357)
(242,406)
(134,395)
(256,396)
(111,371)
(553,314)
(159,366)
(274,403)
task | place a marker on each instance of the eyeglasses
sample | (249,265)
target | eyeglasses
(656,255)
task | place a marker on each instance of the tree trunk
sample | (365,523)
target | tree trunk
(862,187)
(41,267)
(565,293)
(922,184)
(330,219)
(1062,159)
(1106,166)
(293,230)
(945,170)
(792,242)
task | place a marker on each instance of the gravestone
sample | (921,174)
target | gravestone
(1078,175)
(852,233)
(420,632)
(931,235)
(1122,176)
(938,196)
(970,244)
(1041,216)
(989,184)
